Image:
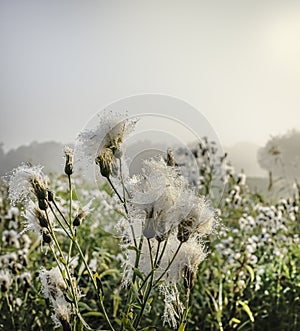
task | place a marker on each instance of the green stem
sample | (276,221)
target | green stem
(186,310)
(10,309)
(60,213)
(163,250)
(169,265)
(136,264)
(63,260)
(123,201)
(70,217)
(149,288)
(74,240)
(59,221)
(94,284)
(115,190)
(124,188)
(153,269)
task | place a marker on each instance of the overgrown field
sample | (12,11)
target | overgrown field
(73,270)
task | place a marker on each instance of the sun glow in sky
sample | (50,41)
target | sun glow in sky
(237,62)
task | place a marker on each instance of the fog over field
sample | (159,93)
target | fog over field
(50,154)
(236,62)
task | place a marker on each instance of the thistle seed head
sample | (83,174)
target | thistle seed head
(46,236)
(105,162)
(69,154)
(41,218)
(79,218)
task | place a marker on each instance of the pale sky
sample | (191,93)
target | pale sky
(237,62)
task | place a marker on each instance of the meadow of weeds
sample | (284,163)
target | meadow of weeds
(159,250)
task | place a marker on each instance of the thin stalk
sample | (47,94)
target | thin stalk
(169,265)
(66,267)
(115,190)
(153,269)
(94,284)
(156,255)
(70,201)
(70,216)
(73,293)
(124,188)
(74,240)
(60,213)
(69,278)
(10,309)
(136,264)
(59,221)
(187,308)
(149,288)
(123,200)
(163,251)
(62,256)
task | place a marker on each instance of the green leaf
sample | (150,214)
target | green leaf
(182,326)
(79,325)
(84,306)
(92,314)
(234,321)
(251,272)
(138,273)
(286,271)
(116,302)
(127,324)
(246,309)
(63,261)
(108,272)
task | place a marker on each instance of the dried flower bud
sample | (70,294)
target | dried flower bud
(5,280)
(149,228)
(46,236)
(69,161)
(43,204)
(184,230)
(39,189)
(4,286)
(161,237)
(50,196)
(170,158)
(16,268)
(104,161)
(27,280)
(78,219)
(41,218)
(188,278)
(149,231)
(117,153)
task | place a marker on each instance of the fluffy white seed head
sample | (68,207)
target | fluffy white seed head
(24,181)
(62,311)
(52,281)
(109,133)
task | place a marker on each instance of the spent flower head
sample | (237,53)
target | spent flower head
(25,180)
(69,155)
(54,288)
(104,143)
(52,281)
(154,197)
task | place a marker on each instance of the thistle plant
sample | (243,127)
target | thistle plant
(162,231)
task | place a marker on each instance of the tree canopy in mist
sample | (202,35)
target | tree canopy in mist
(281,155)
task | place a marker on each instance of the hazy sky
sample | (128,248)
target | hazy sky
(237,62)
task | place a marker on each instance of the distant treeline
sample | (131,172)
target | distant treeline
(50,154)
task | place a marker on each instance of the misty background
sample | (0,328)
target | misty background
(61,62)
